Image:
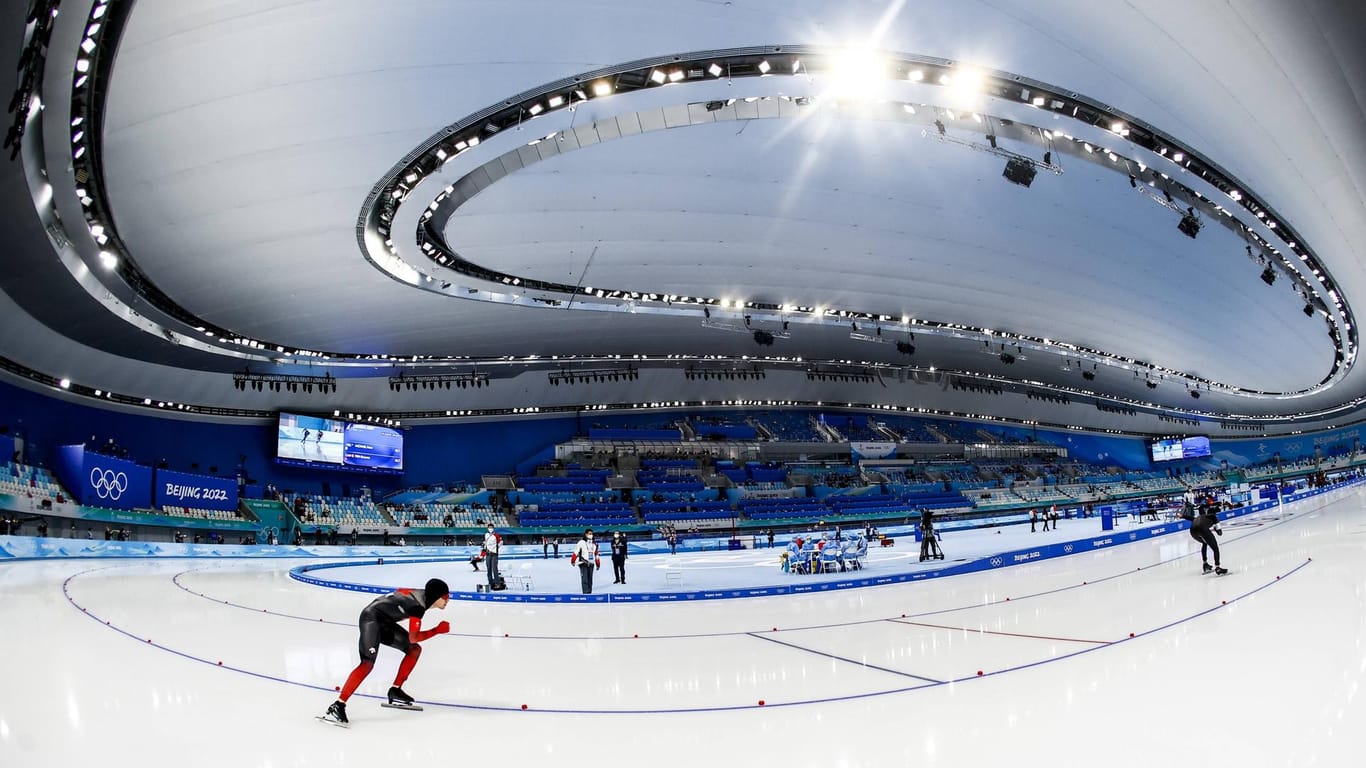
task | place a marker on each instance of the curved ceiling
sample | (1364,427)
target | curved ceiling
(240,143)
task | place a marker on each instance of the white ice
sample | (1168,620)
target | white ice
(1263,667)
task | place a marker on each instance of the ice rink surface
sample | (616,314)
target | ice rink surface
(118,662)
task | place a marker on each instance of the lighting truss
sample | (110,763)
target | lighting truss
(595,375)
(438,381)
(1165,200)
(864,376)
(1004,354)
(947,138)
(724,374)
(722,325)
(873,338)
(275,382)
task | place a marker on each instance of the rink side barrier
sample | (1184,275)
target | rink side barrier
(34,548)
(13,548)
(990,562)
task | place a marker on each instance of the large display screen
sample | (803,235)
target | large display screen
(341,443)
(1180,448)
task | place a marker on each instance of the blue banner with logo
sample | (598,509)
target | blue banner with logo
(181,489)
(104,481)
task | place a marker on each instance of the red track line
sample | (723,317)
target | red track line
(1006,634)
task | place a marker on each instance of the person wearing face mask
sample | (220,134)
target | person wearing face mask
(618,557)
(586,558)
(492,545)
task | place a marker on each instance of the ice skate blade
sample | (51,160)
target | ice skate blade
(395,705)
(330,721)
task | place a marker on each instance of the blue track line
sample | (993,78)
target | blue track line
(929,683)
(902,619)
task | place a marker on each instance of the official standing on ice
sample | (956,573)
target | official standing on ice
(493,544)
(586,558)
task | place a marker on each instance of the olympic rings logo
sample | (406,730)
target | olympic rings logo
(108,484)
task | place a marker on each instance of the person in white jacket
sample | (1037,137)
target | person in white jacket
(586,558)
(493,543)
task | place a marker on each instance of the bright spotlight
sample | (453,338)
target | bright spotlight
(855,73)
(967,82)
(602,88)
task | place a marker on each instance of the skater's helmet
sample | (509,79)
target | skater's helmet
(435,590)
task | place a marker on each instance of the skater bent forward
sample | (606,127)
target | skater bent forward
(1203,529)
(380,624)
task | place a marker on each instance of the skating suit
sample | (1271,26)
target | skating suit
(380,622)
(1201,531)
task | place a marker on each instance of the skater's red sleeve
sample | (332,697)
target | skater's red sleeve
(417,634)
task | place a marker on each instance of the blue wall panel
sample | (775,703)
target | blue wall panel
(445,453)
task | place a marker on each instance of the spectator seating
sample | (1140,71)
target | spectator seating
(666,512)
(344,513)
(614,513)
(200,514)
(790,426)
(560,484)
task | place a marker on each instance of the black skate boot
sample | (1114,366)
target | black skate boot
(400,700)
(397,696)
(1206,567)
(336,715)
(1220,570)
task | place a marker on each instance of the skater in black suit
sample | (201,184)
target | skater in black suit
(380,624)
(1203,529)
(929,543)
(618,557)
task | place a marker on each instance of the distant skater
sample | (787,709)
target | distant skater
(1204,527)
(929,543)
(618,557)
(380,625)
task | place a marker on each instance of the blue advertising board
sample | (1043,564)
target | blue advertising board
(97,480)
(181,489)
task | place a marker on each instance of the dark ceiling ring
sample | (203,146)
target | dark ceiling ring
(1281,249)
